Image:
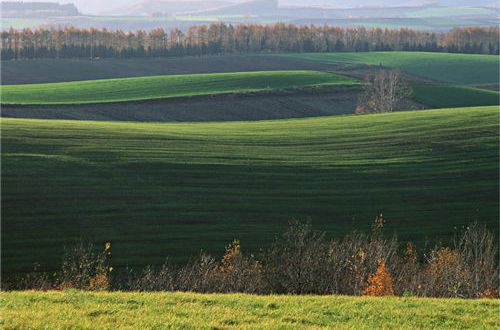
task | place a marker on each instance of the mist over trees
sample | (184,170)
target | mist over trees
(220,38)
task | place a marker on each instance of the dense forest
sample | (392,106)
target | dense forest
(221,38)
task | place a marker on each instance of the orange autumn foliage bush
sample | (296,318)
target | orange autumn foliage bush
(380,283)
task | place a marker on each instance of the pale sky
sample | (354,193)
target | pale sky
(93,6)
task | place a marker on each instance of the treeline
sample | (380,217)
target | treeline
(221,38)
(301,261)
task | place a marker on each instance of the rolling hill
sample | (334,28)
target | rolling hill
(454,68)
(163,87)
(440,96)
(158,190)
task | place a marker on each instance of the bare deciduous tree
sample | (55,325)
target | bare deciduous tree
(384,92)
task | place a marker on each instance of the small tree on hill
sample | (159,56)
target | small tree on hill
(383,92)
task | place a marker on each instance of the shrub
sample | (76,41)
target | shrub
(479,255)
(301,261)
(297,262)
(150,279)
(84,268)
(239,273)
(445,275)
(379,283)
(383,92)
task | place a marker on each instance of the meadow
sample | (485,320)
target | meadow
(163,87)
(37,310)
(440,96)
(159,190)
(453,68)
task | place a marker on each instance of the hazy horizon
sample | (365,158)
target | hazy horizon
(99,7)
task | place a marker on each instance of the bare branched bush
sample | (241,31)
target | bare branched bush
(406,272)
(301,261)
(199,275)
(479,255)
(383,92)
(446,275)
(85,268)
(296,263)
(150,279)
(239,273)
(358,256)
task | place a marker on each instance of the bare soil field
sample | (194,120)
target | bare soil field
(62,70)
(232,107)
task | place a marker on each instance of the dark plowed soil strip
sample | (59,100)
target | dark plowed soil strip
(254,106)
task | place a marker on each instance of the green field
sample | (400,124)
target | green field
(162,87)
(158,190)
(455,68)
(440,96)
(72,309)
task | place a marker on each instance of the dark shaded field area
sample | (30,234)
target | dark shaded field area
(158,190)
(252,106)
(61,70)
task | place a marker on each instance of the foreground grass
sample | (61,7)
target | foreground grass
(158,190)
(74,309)
(162,87)
(456,68)
(441,96)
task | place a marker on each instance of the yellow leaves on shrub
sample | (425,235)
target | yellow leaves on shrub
(379,222)
(447,271)
(233,251)
(99,282)
(443,259)
(379,283)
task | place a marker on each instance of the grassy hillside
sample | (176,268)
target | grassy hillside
(162,87)
(157,190)
(440,96)
(456,68)
(36,310)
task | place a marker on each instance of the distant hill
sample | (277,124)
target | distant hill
(287,8)
(255,7)
(37,9)
(307,10)
(387,3)
(169,7)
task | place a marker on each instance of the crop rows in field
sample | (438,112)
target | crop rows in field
(158,190)
(163,87)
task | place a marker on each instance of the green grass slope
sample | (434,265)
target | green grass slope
(455,68)
(157,190)
(36,310)
(440,96)
(162,87)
